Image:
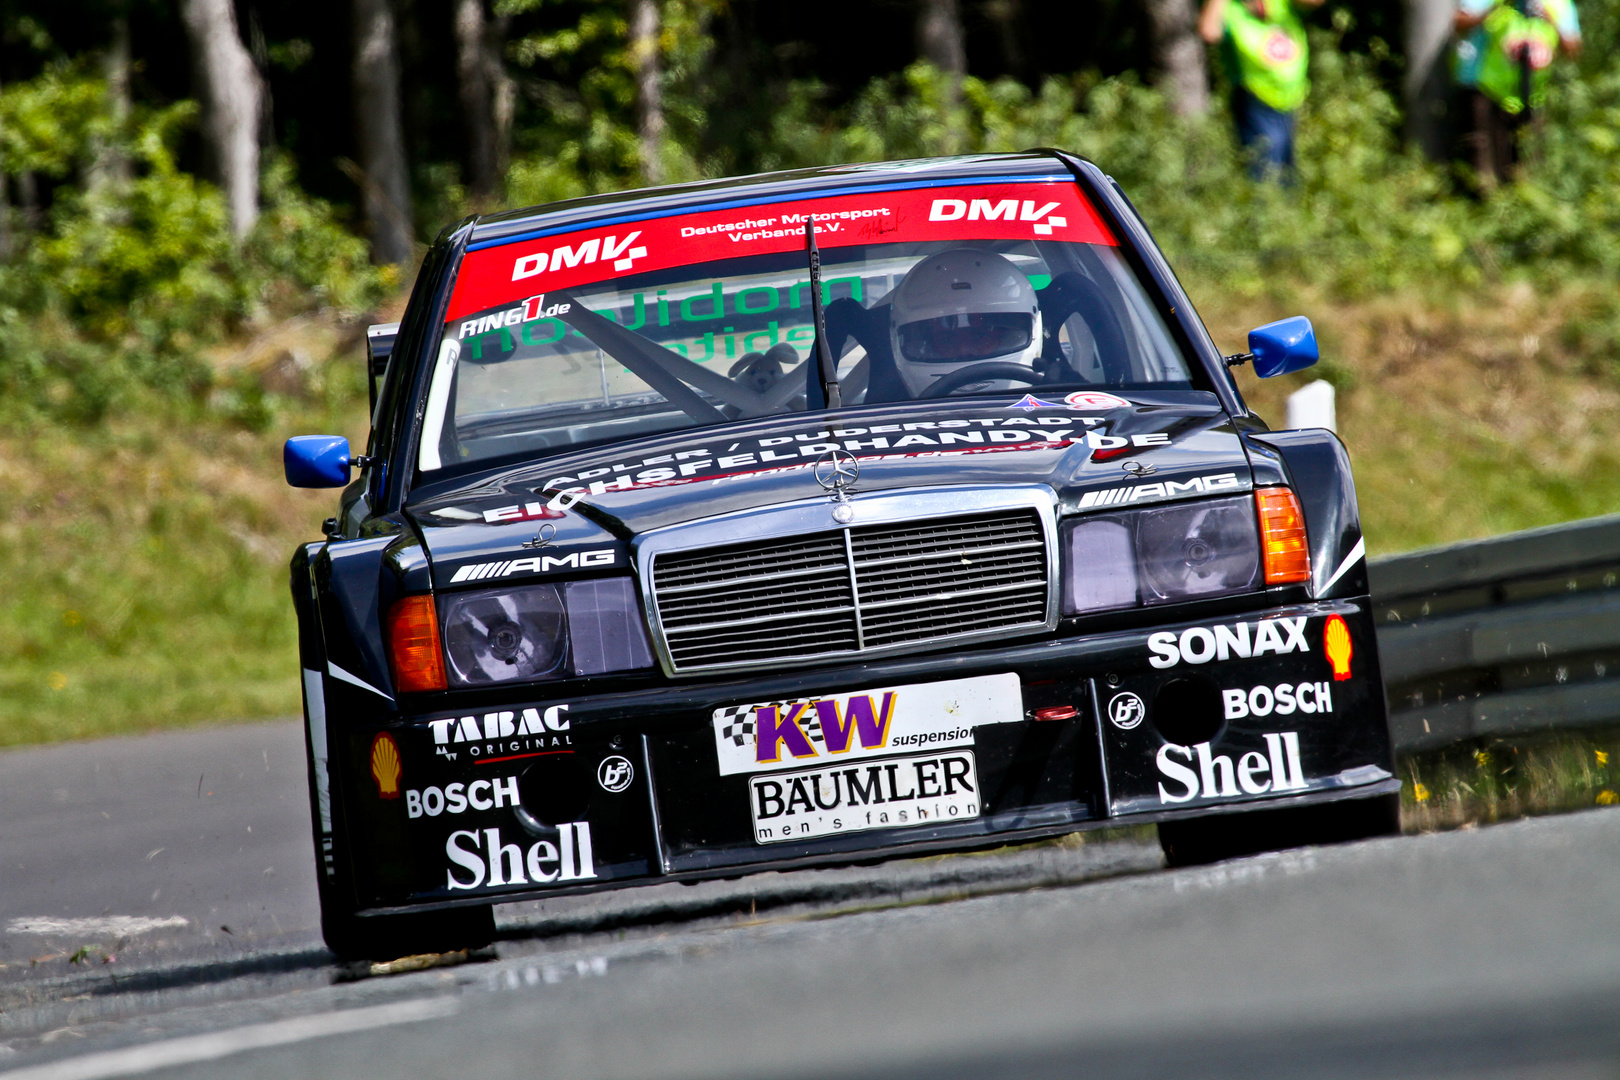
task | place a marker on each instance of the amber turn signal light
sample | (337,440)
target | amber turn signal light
(413,645)
(1283,543)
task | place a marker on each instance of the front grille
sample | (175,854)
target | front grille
(853,590)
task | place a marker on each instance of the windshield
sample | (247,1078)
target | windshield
(690,320)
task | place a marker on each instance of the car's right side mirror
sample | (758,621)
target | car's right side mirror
(1283,346)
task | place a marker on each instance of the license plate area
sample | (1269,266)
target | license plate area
(858,796)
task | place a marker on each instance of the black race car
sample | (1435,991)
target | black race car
(815,517)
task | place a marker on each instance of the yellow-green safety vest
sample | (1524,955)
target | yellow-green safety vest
(1508,34)
(1270,53)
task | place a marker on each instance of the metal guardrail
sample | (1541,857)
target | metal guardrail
(1505,636)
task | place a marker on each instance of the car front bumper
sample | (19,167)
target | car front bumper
(1270,708)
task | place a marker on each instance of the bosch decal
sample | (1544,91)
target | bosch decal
(459,798)
(1282,699)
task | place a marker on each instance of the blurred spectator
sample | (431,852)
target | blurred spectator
(1263,47)
(1504,53)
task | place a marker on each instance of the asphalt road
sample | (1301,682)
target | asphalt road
(1487,953)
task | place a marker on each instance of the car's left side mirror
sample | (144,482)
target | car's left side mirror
(1283,346)
(317,461)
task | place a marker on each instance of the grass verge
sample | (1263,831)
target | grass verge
(1490,780)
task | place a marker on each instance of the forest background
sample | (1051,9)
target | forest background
(203,203)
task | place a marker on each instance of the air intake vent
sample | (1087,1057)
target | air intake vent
(868,588)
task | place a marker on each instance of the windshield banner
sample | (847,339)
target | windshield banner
(527,269)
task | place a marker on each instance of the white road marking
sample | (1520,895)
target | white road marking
(102,926)
(194,1048)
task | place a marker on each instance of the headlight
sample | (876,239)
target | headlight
(544,631)
(1184,552)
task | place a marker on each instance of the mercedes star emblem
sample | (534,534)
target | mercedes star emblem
(1137,468)
(837,471)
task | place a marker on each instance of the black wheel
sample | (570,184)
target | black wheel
(388,937)
(1229,836)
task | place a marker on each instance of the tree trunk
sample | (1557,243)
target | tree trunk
(477,101)
(939,41)
(231,96)
(1178,56)
(1426,86)
(109,167)
(939,36)
(1007,17)
(385,192)
(502,88)
(29,216)
(6,246)
(645,59)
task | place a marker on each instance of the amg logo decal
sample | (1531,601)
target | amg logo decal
(538,564)
(1218,777)
(1201,644)
(1166,489)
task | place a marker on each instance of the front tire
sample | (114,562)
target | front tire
(1197,841)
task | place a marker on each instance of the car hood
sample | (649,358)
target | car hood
(583,509)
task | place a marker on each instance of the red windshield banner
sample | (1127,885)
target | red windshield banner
(510,273)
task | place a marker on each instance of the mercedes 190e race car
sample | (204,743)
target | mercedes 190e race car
(818,517)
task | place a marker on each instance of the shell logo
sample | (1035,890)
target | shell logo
(1336,644)
(385,767)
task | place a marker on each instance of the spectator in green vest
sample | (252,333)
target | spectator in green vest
(1263,46)
(1505,51)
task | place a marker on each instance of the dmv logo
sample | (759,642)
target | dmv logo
(1003,210)
(567,256)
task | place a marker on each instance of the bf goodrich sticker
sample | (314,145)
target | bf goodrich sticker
(778,735)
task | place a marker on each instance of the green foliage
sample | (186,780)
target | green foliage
(135,269)
(585,82)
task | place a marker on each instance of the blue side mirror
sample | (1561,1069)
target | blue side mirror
(1283,346)
(317,461)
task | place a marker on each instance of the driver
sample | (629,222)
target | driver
(961,308)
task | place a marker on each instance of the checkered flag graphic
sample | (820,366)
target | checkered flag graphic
(737,724)
(737,721)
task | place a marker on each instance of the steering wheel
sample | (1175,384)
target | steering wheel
(989,369)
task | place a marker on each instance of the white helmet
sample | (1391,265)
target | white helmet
(960,308)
